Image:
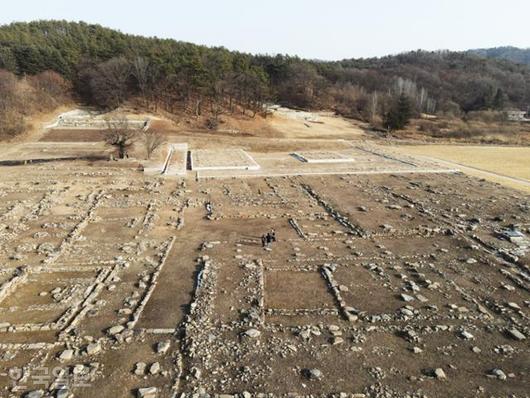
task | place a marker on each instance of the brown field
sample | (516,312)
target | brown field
(490,162)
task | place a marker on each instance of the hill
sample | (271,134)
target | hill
(513,54)
(107,67)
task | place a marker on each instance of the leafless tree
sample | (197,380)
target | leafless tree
(302,84)
(373,106)
(145,75)
(109,82)
(8,89)
(12,105)
(119,134)
(153,139)
(51,87)
(51,83)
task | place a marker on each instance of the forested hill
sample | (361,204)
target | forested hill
(513,54)
(108,67)
(61,46)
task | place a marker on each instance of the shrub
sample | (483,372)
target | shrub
(212,123)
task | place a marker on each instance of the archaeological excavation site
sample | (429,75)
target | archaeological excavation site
(232,265)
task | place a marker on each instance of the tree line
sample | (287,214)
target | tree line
(513,54)
(106,68)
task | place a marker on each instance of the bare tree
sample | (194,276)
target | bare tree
(8,89)
(119,134)
(153,139)
(109,82)
(12,105)
(50,82)
(373,106)
(145,74)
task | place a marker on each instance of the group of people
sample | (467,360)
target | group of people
(268,238)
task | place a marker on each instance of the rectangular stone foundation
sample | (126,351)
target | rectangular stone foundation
(226,159)
(322,157)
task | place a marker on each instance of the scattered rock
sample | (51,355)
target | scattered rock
(253,333)
(154,368)
(466,335)
(78,369)
(439,373)
(313,374)
(498,373)
(147,392)
(337,340)
(516,335)
(139,368)
(406,297)
(62,392)
(196,372)
(115,330)
(66,355)
(163,346)
(93,348)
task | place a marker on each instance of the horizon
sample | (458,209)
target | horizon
(269,54)
(301,31)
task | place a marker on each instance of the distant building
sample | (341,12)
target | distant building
(518,116)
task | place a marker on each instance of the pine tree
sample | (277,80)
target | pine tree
(399,114)
(500,100)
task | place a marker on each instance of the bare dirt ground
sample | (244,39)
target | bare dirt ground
(390,276)
(377,285)
(77,135)
(321,125)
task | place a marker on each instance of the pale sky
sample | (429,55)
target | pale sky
(323,29)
